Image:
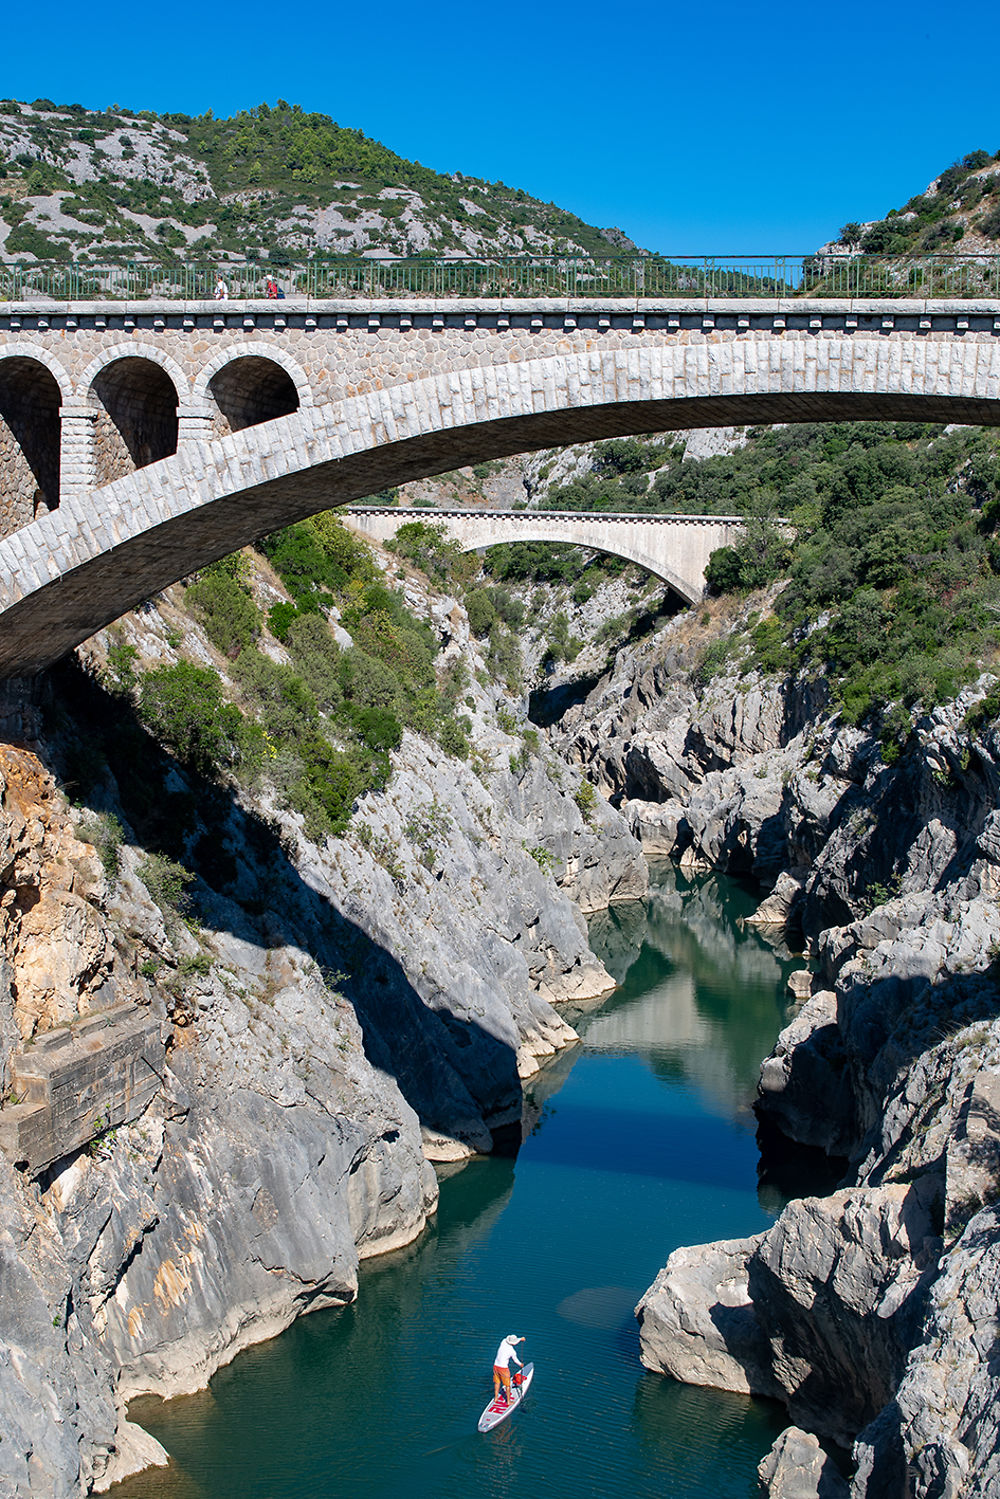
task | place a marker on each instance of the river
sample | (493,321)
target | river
(642,1139)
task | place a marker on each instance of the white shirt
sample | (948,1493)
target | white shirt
(504,1355)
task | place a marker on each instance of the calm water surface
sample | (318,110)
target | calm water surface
(643,1139)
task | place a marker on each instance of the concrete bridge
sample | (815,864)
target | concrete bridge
(675,548)
(138,441)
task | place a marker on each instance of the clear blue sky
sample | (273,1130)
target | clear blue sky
(697,129)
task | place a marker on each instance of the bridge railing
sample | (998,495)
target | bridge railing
(751,276)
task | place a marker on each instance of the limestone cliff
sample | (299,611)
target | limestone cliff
(871,1313)
(224,1076)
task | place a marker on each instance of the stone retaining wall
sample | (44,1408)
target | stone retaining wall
(77,1083)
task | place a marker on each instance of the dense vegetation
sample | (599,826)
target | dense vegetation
(894,570)
(890,553)
(319,727)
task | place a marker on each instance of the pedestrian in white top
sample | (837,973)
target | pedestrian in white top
(221,291)
(501,1366)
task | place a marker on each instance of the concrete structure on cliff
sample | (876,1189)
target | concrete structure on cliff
(675,548)
(138,441)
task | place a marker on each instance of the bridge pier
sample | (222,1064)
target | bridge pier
(77,450)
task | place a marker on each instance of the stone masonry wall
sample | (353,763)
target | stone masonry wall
(390,392)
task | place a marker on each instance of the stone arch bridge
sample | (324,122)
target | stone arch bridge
(675,548)
(138,441)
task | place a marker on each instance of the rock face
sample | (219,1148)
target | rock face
(798,1468)
(871,1313)
(820,1311)
(335,1016)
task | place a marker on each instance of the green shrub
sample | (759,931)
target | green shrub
(453,736)
(230,617)
(379,729)
(347,554)
(280,618)
(585,797)
(425,544)
(504,657)
(543,857)
(120,677)
(183,707)
(561,645)
(506,607)
(329,783)
(482,614)
(107,835)
(167,882)
(724,572)
(717,656)
(370,683)
(282,702)
(316,656)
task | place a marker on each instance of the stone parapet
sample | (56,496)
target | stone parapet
(78,1082)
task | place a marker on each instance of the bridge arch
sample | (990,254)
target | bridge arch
(67,577)
(134,350)
(250,390)
(32,391)
(674,549)
(249,383)
(626,548)
(135,400)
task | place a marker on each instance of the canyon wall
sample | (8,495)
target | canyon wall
(313,1023)
(870,1313)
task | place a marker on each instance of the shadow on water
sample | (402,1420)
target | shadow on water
(247,885)
(333,1367)
(715,1427)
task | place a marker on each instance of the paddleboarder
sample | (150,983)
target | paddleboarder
(501,1366)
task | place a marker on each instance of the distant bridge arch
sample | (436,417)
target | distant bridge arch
(405,390)
(675,548)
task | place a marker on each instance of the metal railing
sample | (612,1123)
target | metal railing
(654,276)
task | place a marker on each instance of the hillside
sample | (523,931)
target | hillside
(958,211)
(269,184)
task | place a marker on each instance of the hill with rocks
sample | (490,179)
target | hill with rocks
(958,211)
(274,184)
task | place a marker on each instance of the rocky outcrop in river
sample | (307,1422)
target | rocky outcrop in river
(872,1313)
(213,1112)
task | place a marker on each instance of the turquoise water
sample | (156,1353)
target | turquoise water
(641,1139)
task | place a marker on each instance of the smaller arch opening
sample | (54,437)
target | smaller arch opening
(250,390)
(29,442)
(137,417)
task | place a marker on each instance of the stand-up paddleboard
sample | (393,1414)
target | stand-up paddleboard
(498,1410)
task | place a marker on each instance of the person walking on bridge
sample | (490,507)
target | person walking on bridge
(501,1365)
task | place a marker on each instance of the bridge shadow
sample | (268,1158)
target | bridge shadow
(453,1072)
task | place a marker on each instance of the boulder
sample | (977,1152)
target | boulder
(697,1323)
(797,1468)
(775,909)
(807,1064)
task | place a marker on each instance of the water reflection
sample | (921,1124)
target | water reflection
(701,996)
